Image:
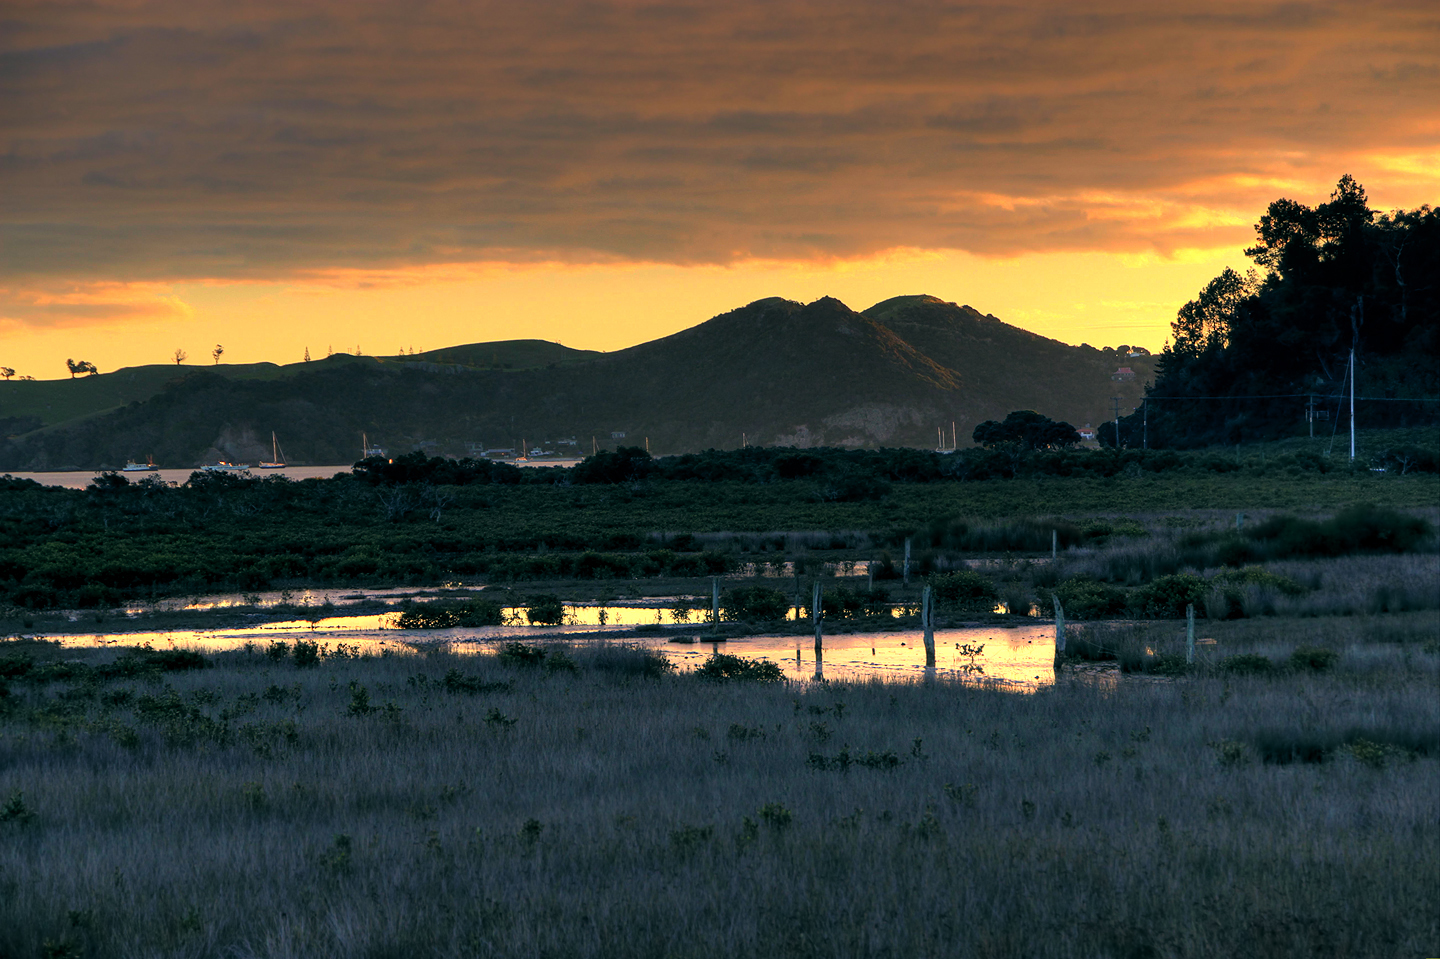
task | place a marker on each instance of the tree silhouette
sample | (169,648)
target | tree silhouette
(180,356)
(6,372)
(216,353)
(80,366)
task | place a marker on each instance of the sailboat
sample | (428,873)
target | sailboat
(277,456)
(366,450)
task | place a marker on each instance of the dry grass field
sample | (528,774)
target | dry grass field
(593,804)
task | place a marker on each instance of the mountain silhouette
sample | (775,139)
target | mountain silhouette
(773,372)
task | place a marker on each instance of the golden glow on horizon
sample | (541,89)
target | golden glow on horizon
(1099,298)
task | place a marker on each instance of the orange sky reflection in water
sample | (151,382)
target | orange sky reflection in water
(1019,658)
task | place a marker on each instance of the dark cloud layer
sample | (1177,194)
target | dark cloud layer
(165,140)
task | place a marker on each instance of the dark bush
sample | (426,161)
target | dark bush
(723,666)
(436,615)
(964,590)
(1315,659)
(1084,597)
(843,602)
(545,610)
(754,604)
(1167,597)
(630,660)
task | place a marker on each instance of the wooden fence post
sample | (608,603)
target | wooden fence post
(927,620)
(1189,633)
(1054,544)
(1059,626)
(817,611)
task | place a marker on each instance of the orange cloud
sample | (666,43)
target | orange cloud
(68,304)
(169,140)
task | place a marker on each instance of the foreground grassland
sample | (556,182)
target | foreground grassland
(437,804)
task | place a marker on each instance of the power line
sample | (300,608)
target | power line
(1287,396)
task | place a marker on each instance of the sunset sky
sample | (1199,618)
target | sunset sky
(277,176)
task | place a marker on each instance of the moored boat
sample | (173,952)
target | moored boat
(277,456)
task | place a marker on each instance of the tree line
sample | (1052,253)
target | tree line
(1260,355)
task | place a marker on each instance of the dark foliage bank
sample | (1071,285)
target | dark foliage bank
(1259,356)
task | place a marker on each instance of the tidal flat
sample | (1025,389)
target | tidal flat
(554,800)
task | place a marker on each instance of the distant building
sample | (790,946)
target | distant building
(1123,373)
(1087,432)
(617,434)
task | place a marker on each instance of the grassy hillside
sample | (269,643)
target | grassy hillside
(505,355)
(49,402)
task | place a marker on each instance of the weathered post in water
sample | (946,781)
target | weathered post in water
(1059,627)
(1189,633)
(817,611)
(905,573)
(927,621)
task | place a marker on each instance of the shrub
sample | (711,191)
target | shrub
(630,661)
(754,603)
(965,590)
(1359,529)
(843,602)
(1316,659)
(522,654)
(1258,576)
(1167,597)
(545,610)
(306,653)
(1084,597)
(475,612)
(723,666)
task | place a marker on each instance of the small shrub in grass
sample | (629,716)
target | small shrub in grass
(1247,664)
(1314,659)
(724,666)
(776,816)
(630,661)
(522,654)
(1230,752)
(965,590)
(1258,576)
(1167,597)
(458,682)
(306,653)
(545,610)
(1085,597)
(754,604)
(15,810)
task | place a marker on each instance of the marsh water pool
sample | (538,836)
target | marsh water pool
(1020,657)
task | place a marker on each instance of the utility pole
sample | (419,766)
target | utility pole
(1356,319)
(1310,413)
(1145,418)
(1115,402)
(1352,404)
